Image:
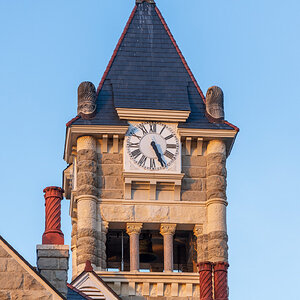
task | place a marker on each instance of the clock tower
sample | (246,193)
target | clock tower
(146,174)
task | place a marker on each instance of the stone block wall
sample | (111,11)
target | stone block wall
(53,264)
(17,283)
(110,170)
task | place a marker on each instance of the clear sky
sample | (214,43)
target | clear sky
(249,48)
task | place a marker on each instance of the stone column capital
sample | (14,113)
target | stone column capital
(104,226)
(198,230)
(167,229)
(134,228)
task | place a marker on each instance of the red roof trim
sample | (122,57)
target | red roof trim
(78,292)
(116,50)
(73,120)
(180,53)
(231,125)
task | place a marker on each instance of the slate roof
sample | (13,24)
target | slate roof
(148,71)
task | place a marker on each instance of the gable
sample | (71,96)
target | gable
(19,280)
(93,286)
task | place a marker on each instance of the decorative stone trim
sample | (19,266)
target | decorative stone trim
(216,201)
(198,230)
(86,198)
(153,114)
(134,228)
(167,229)
(207,133)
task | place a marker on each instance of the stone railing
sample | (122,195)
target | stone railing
(153,284)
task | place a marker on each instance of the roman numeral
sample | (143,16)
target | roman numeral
(152,164)
(143,128)
(152,127)
(133,145)
(142,161)
(169,136)
(162,129)
(139,137)
(172,146)
(169,154)
(136,153)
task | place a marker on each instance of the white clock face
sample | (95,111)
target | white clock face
(152,146)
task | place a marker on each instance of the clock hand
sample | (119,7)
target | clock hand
(157,154)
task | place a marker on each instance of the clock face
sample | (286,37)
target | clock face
(152,146)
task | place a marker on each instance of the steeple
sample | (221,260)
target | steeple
(147,71)
(147,171)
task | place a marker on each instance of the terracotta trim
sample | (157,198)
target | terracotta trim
(231,125)
(88,266)
(206,280)
(72,121)
(116,50)
(53,234)
(71,287)
(180,53)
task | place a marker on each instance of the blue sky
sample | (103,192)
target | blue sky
(249,48)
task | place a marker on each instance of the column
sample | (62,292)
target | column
(216,201)
(201,243)
(73,248)
(86,198)
(221,281)
(168,231)
(206,289)
(134,230)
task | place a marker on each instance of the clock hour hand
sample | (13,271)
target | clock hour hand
(153,145)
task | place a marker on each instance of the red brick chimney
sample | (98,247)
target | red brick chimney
(53,234)
(53,255)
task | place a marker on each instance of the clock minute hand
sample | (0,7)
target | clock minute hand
(157,153)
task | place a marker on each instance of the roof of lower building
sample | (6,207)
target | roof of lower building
(148,71)
(75,294)
(26,268)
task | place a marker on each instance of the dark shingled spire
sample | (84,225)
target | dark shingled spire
(147,71)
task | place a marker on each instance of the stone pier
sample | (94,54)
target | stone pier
(216,202)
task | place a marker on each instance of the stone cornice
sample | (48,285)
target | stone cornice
(208,133)
(75,131)
(153,114)
(138,176)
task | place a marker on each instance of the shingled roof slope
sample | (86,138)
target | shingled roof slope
(148,71)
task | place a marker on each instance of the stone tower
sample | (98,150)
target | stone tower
(147,171)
